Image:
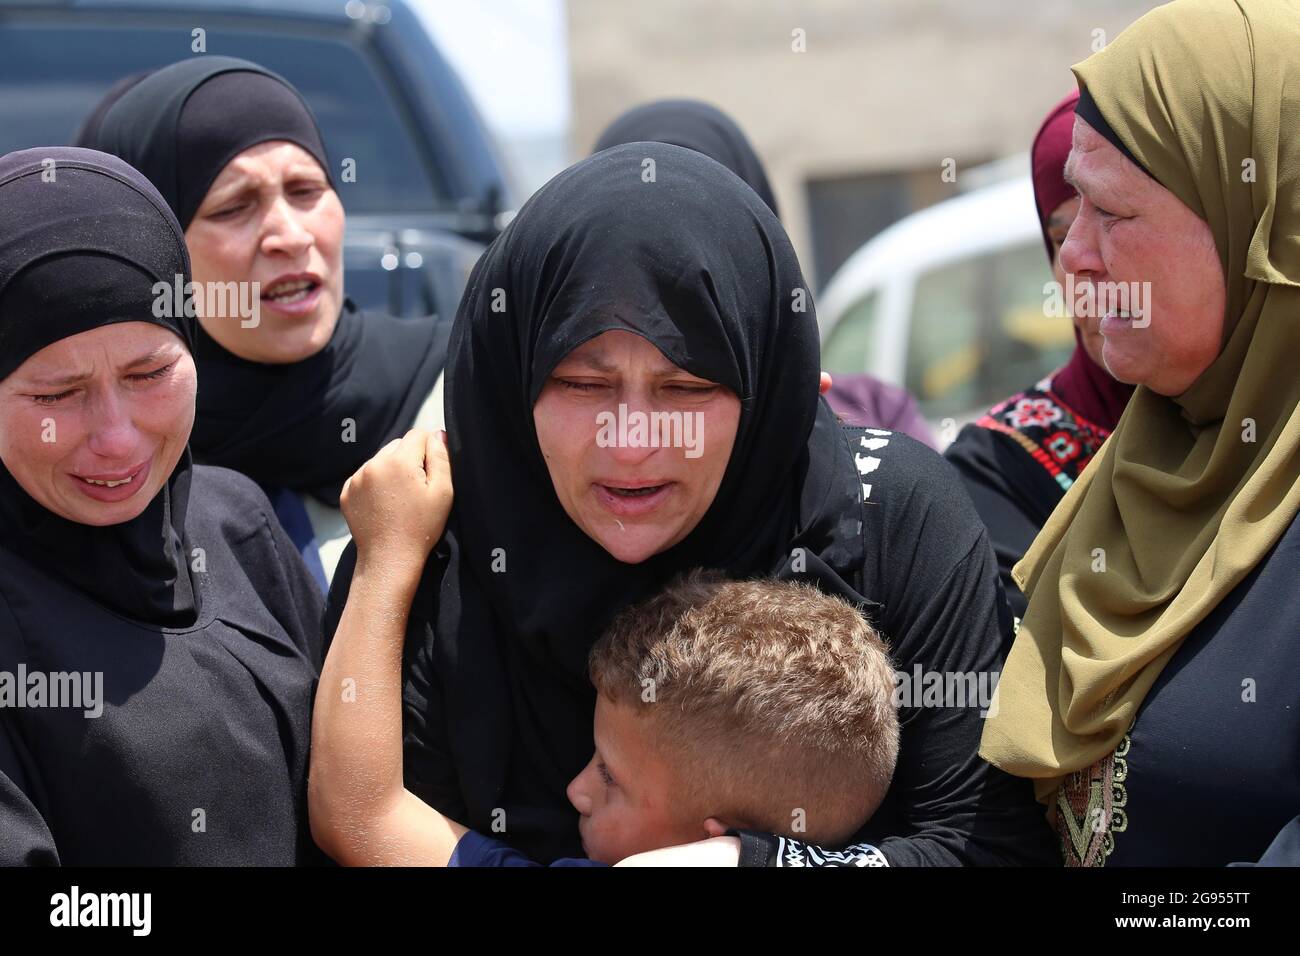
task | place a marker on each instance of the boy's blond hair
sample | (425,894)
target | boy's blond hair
(772,702)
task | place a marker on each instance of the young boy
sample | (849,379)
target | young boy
(721,704)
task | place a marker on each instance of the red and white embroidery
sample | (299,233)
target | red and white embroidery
(1030,412)
(1060,440)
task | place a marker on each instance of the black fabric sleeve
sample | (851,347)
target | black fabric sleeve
(1012,493)
(956,808)
(933,569)
(427,765)
(25,839)
(756,847)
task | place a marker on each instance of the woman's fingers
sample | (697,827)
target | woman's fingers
(411,447)
(409,453)
(436,459)
(389,448)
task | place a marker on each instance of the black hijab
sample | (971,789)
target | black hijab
(282,425)
(88,132)
(182,124)
(83,240)
(697,264)
(693,125)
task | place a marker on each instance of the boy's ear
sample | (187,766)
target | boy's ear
(715,827)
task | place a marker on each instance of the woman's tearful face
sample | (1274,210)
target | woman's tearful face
(636,447)
(92,426)
(1132,233)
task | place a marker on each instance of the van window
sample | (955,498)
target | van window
(55,72)
(945,347)
(848,348)
(1027,343)
(978,331)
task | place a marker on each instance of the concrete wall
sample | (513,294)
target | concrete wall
(883,85)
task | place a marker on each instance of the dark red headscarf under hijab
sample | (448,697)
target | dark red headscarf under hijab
(1082,384)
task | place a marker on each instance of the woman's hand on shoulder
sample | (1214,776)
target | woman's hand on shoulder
(397,503)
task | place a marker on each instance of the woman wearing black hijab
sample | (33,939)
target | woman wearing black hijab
(159,639)
(677,294)
(857,399)
(301,394)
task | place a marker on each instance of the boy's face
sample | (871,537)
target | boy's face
(625,794)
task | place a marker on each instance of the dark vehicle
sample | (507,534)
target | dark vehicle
(429,189)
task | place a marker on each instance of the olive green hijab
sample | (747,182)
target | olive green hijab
(1182,504)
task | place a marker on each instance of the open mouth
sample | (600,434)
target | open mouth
(1114,321)
(645,492)
(114,487)
(288,293)
(633,500)
(109,484)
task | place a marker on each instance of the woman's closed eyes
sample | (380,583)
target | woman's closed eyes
(676,388)
(154,376)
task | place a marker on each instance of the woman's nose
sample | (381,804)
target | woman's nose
(284,232)
(112,431)
(1079,253)
(639,427)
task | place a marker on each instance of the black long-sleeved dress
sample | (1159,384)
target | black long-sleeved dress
(200,753)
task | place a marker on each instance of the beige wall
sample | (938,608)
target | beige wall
(883,85)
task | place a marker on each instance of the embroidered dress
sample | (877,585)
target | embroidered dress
(1017,461)
(1091,807)
(1055,436)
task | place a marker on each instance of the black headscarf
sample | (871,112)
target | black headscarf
(88,132)
(182,124)
(693,125)
(83,240)
(282,425)
(700,267)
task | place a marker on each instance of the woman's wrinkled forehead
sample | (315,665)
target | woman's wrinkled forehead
(618,350)
(1095,167)
(607,343)
(120,347)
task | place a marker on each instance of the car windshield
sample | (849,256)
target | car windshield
(54,72)
(979,332)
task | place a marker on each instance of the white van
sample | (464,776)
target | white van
(949,303)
